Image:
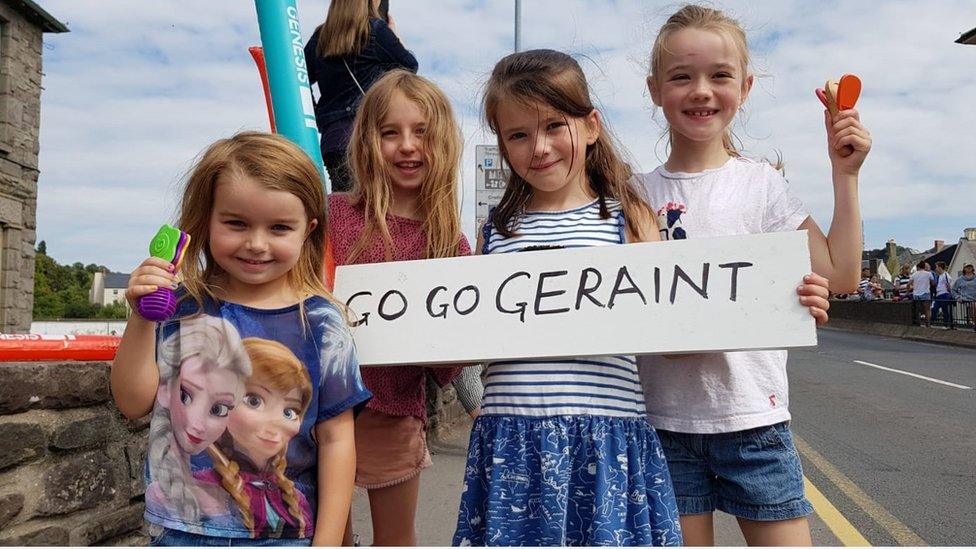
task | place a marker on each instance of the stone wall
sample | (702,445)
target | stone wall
(70,464)
(20,112)
(885,312)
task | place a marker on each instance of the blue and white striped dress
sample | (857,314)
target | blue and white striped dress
(563,453)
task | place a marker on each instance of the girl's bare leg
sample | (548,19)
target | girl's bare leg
(697,530)
(776,533)
(393,510)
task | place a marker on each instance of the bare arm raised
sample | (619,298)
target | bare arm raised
(135,376)
(837,255)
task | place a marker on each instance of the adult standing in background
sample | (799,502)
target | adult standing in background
(944,301)
(921,283)
(864,286)
(964,290)
(902,288)
(353,48)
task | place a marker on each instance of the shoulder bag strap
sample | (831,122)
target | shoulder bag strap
(353,76)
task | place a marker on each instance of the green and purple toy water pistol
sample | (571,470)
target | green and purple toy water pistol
(170,245)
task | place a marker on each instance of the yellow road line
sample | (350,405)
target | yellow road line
(895,528)
(838,524)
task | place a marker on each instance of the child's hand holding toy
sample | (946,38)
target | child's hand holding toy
(152,284)
(848,141)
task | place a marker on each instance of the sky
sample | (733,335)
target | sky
(137,90)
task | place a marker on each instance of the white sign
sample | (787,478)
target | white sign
(709,294)
(491,178)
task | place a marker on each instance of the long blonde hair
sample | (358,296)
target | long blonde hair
(442,155)
(694,16)
(346,28)
(278,368)
(276,164)
(554,79)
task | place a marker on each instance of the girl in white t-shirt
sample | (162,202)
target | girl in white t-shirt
(723,417)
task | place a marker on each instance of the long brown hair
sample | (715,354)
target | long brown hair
(277,164)
(554,79)
(709,19)
(442,155)
(346,28)
(277,367)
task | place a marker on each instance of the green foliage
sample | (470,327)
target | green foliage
(115,310)
(882,253)
(61,291)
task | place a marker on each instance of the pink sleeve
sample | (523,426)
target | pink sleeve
(342,226)
(463,247)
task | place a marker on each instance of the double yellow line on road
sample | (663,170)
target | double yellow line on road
(838,524)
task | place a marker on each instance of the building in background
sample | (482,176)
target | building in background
(965,253)
(940,252)
(108,288)
(22,26)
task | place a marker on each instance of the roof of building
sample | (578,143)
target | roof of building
(945,254)
(964,246)
(909,258)
(38,15)
(116,280)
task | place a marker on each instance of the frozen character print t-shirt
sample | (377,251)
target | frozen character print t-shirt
(231,449)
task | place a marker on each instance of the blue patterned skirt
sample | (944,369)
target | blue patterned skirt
(566,480)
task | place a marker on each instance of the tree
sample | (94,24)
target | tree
(61,291)
(114,310)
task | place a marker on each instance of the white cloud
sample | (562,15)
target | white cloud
(136,91)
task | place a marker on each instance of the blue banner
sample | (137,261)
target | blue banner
(291,93)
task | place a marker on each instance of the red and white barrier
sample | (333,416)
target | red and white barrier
(36,347)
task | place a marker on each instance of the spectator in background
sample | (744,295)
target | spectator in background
(964,290)
(903,290)
(864,286)
(877,290)
(928,269)
(346,55)
(943,295)
(921,284)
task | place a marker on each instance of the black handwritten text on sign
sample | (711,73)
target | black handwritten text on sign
(712,294)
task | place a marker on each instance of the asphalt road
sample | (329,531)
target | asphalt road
(894,453)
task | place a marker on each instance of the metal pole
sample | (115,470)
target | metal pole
(518,26)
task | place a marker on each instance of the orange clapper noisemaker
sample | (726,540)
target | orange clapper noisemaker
(840,96)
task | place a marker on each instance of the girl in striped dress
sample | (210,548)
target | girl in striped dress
(562,453)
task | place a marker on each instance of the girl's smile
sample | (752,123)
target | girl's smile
(409,169)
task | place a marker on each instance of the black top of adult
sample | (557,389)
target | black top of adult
(339,93)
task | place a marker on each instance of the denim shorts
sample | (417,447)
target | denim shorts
(753,474)
(168,537)
(923,297)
